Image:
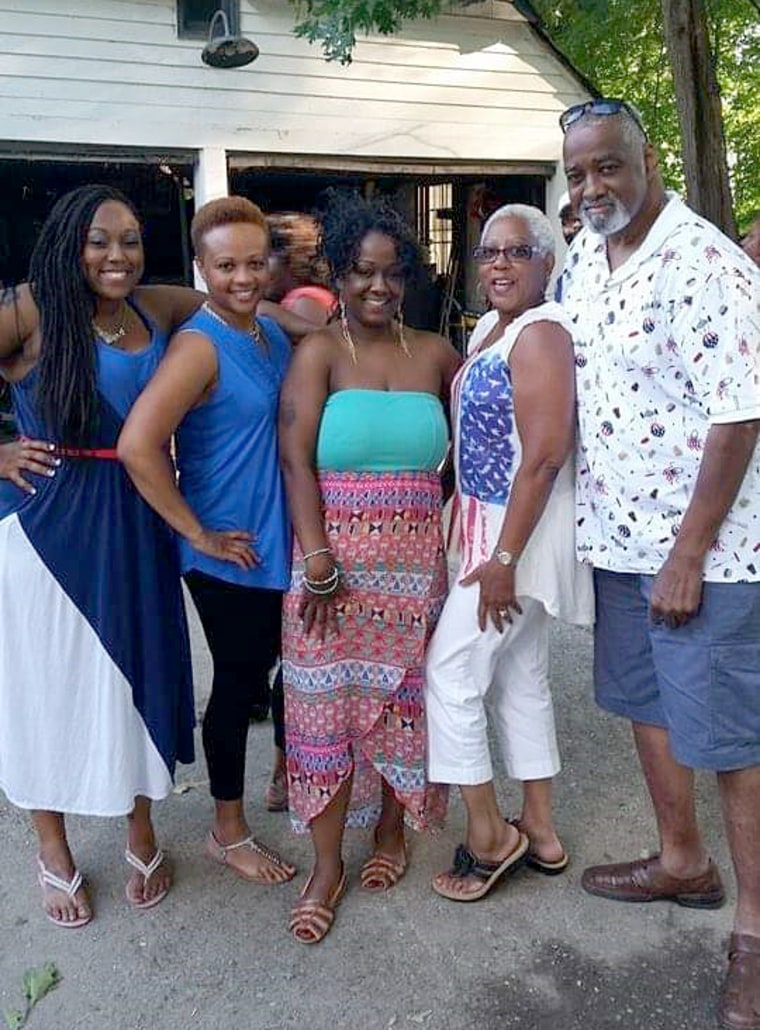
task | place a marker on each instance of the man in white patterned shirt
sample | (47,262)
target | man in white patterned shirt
(668,379)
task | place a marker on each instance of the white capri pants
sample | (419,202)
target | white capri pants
(469,673)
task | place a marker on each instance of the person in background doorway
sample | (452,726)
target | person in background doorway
(298,275)
(568,218)
(298,287)
(571,226)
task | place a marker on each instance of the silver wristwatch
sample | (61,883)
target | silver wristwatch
(504,557)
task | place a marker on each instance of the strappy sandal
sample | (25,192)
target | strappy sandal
(219,852)
(68,887)
(534,861)
(311,919)
(489,873)
(380,872)
(146,871)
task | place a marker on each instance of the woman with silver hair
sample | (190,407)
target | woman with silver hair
(513,413)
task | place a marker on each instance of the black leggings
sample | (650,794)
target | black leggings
(242,627)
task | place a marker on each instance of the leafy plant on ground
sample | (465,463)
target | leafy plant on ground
(36,984)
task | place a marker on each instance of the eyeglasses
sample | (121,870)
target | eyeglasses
(603,106)
(517,252)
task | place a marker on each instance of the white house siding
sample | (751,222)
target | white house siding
(475,86)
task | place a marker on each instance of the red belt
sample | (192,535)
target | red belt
(87,452)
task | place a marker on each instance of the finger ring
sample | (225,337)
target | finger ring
(503,611)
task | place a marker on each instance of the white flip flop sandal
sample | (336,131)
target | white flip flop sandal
(146,871)
(68,887)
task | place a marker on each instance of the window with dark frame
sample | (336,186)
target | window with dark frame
(194,17)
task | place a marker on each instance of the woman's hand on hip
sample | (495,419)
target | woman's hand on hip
(230,545)
(24,455)
(497,593)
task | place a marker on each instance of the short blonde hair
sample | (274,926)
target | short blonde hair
(225,211)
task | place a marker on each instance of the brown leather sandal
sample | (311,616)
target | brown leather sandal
(381,872)
(312,919)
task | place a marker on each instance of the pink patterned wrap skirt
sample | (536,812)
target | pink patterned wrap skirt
(354,704)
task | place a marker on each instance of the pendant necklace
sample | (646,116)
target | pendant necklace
(112,336)
(254,330)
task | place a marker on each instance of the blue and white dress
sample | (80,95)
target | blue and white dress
(96,700)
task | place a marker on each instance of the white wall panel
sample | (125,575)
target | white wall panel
(475,84)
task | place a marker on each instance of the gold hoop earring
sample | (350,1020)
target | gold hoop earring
(345,332)
(402,340)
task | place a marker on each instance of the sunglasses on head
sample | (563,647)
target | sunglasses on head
(603,106)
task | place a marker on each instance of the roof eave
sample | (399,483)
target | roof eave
(531,15)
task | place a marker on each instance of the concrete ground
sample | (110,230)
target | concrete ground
(537,954)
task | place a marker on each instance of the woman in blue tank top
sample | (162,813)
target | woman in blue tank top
(217,389)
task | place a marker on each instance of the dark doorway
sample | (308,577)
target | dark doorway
(29,188)
(443,299)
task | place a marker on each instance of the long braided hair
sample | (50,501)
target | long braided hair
(66,386)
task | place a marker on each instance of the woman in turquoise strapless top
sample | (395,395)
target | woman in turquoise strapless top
(382,431)
(363,436)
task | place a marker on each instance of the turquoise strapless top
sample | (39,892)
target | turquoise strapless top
(382,431)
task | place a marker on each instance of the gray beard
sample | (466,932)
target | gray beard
(607,225)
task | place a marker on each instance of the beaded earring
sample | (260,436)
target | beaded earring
(344,329)
(403,343)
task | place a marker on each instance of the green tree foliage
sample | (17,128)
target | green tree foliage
(619,46)
(334,23)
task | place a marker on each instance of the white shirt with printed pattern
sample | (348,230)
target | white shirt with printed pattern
(665,346)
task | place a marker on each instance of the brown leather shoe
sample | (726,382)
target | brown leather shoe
(646,880)
(739,1007)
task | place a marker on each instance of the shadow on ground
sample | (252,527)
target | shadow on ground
(565,990)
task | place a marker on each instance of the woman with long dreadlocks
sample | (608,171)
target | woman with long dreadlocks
(95,680)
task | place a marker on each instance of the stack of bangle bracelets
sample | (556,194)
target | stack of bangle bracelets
(321,587)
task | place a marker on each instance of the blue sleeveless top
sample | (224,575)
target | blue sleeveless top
(382,431)
(227,453)
(121,378)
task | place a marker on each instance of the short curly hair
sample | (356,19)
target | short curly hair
(225,211)
(347,218)
(538,225)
